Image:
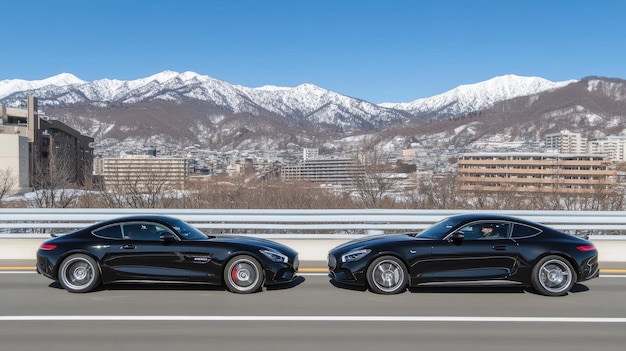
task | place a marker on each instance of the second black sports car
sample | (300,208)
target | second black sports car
(469,247)
(165,249)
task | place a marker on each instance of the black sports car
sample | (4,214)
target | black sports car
(468,247)
(164,249)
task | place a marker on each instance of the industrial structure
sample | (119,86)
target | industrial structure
(32,145)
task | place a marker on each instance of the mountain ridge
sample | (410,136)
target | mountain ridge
(171,108)
(305,101)
(512,83)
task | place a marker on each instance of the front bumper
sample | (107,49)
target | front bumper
(282,273)
(352,273)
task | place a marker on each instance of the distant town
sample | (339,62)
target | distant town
(34,148)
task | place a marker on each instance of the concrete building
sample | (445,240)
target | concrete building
(310,153)
(612,146)
(143,173)
(14,162)
(566,142)
(536,172)
(336,171)
(47,138)
(235,169)
(408,155)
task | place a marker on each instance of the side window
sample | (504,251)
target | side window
(501,230)
(523,231)
(162,230)
(110,232)
(141,231)
(471,231)
(486,230)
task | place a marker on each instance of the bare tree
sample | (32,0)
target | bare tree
(53,178)
(93,195)
(197,194)
(249,192)
(598,197)
(439,192)
(7,182)
(378,180)
(506,198)
(300,195)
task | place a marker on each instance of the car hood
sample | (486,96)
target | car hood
(260,242)
(374,240)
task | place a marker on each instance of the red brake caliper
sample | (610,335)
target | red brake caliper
(233,273)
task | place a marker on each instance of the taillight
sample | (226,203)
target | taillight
(586,248)
(47,247)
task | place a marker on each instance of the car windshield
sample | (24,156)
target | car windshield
(188,232)
(439,230)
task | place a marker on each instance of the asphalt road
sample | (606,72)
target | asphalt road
(36,314)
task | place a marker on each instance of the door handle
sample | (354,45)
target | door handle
(500,247)
(127,247)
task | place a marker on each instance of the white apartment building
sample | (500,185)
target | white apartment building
(310,153)
(143,173)
(612,146)
(566,142)
(338,171)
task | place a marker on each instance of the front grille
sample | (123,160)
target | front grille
(332,262)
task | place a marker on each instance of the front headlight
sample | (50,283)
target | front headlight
(355,255)
(275,256)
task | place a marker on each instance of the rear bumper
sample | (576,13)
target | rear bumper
(44,267)
(589,269)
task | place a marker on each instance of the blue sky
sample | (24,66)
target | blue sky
(380,51)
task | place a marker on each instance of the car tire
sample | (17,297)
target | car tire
(243,275)
(387,275)
(79,273)
(553,276)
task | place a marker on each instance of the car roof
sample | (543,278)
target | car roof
(154,218)
(476,216)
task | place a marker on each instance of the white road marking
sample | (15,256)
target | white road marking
(612,276)
(18,272)
(319,319)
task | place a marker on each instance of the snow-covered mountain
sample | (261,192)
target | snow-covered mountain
(304,102)
(11,86)
(479,96)
(174,109)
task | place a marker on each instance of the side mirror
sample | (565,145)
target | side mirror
(167,237)
(457,237)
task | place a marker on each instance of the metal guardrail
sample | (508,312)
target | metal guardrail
(37,222)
